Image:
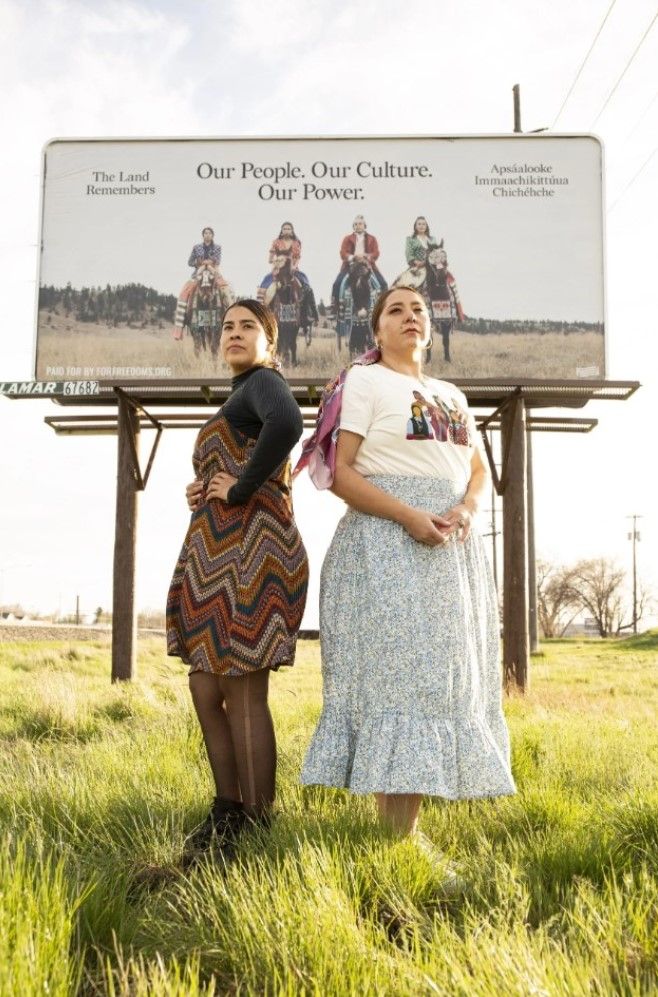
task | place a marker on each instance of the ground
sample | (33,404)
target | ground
(99,785)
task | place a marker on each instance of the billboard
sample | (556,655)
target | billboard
(145,242)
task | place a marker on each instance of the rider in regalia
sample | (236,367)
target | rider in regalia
(286,247)
(357,245)
(417,246)
(427,271)
(205,255)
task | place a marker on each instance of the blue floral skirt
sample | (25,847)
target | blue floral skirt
(410,659)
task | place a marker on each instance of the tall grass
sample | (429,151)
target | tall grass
(38,907)
(99,785)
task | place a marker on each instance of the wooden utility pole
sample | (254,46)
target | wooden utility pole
(516,90)
(634,537)
(532,566)
(124,621)
(515,547)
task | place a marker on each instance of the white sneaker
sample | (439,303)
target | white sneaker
(452,884)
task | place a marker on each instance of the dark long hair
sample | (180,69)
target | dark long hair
(415,231)
(380,303)
(293,236)
(267,319)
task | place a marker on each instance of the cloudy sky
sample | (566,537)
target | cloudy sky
(75,69)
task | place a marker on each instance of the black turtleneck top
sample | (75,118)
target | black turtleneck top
(262,407)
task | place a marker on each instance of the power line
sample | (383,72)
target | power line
(626,68)
(644,114)
(584,62)
(633,179)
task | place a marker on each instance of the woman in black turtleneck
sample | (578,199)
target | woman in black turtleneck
(237,595)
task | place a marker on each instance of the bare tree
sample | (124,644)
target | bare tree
(556,603)
(644,605)
(598,586)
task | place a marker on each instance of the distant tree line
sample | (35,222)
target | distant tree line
(123,304)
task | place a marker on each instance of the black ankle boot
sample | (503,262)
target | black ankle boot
(221,821)
(240,826)
(228,818)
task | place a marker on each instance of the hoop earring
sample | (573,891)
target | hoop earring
(430,344)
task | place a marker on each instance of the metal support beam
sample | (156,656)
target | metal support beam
(515,549)
(124,619)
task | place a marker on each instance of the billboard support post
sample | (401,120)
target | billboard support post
(532,562)
(515,547)
(124,620)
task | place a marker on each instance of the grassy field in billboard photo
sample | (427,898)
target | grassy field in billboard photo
(99,785)
(527,355)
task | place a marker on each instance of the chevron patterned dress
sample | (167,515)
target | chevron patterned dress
(237,596)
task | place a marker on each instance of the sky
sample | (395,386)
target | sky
(319,68)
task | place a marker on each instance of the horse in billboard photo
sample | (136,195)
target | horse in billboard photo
(358,291)
(293,303)
(206,306)
(201,304)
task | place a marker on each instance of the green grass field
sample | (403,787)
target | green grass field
(99,785)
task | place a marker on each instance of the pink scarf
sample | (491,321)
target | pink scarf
(319,450)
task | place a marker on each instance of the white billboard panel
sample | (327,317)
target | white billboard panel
(144,242)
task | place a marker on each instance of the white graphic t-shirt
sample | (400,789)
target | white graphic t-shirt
(410,426)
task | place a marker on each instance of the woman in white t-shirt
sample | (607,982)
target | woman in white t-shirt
(408,610)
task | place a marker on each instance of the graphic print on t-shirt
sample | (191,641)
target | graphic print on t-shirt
(438,420)
(418,427)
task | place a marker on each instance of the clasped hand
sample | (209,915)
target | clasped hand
(218,488)
(428,528)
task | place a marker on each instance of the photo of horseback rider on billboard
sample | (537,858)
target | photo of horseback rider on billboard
(359,245)
(285,247)
(205,297)
(416,247)
(357,287)
(428,272)
(287,292)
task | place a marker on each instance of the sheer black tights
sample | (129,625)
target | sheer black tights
(239,736)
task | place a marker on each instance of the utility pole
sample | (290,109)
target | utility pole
(516,90)
(634,536)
